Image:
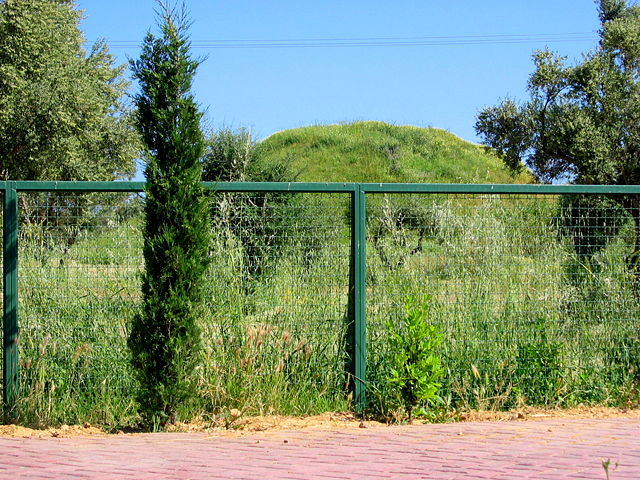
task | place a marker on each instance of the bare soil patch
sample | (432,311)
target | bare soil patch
(62,431)
(239,425)
(533,414)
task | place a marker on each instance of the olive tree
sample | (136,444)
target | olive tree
(62,113)
(581,124)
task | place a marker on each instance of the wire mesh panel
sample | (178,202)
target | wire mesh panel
(274,327)
(80,258)
(536,297)
(278,294)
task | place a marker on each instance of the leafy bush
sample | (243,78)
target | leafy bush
(395,226)
(228,155)
(262,221)
(415,368)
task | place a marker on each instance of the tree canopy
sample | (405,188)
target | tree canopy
(582,122)
(62,115)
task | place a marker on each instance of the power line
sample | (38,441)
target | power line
(376,41)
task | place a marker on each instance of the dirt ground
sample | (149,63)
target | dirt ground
(237,425)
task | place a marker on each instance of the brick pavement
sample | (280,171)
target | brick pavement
(549,449)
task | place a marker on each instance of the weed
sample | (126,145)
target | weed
(606,464)
(415,368)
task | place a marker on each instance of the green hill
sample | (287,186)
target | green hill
(379,152)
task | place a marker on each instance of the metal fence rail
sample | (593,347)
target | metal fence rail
(533,288)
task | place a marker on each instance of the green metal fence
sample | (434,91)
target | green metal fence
(533,288)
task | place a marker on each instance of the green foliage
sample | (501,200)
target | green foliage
(538,372)
(394,226)
(62,115)
(582,122)
(57,220)
(165,339)
(261,221)
(514,328)
(590,221)
(75,304)
(495,267)
(415,368)
(228,156)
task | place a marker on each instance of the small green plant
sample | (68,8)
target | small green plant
(606,464)
(415,366)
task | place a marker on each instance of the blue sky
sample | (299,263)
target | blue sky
(442,82)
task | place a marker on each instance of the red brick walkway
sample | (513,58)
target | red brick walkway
(539,450)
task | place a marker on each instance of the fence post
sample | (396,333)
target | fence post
(10,299)
(357,348)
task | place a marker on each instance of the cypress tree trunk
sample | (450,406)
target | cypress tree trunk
(165,338)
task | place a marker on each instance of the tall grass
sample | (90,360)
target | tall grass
(274,337)
(524,319)
(75,305)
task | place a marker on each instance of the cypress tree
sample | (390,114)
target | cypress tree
(165,340)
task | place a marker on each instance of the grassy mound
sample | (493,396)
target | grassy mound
(379,152)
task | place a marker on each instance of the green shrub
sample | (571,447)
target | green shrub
(592,221)
(415,367)
(261,221)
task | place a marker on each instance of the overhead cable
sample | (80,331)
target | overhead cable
(376,41)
